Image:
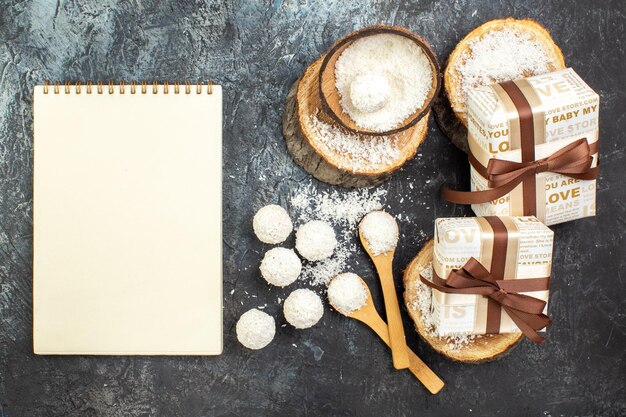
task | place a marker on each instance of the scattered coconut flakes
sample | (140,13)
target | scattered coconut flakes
(459,341)
(341,209)
(360,152)
(320,273)
(423,303)
(404,65)
(501,55)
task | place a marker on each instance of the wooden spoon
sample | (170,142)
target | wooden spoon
(383,263)
(368,315)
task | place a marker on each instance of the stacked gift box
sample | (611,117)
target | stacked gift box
(533,162)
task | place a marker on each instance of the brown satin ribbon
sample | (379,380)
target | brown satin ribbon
(527,143)
(525,311)
(573,160)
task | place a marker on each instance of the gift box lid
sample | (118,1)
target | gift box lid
(529,251)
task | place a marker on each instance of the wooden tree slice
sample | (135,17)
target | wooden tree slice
(336,166)
(453,79)
(482,348)
(312,162)
(449,123)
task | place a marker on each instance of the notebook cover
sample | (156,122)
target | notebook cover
(127,222)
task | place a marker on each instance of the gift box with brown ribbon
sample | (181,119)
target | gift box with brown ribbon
(533,148)
(490,275)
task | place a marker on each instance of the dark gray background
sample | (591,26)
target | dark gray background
(256,50)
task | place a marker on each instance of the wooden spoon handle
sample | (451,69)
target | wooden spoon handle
(424,374)
(394,319)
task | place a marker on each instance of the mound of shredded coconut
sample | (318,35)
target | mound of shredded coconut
(381,231)
(397,59)
(303,308)
(315,240)
(280,266)
(347,293)
(358,152)
(272,224)
(501,55)
(369,92)
(343,210)
(255,329)
(423,304)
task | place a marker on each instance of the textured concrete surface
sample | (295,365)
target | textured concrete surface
(256,49)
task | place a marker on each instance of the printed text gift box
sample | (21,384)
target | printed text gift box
(533,148)
(491,275)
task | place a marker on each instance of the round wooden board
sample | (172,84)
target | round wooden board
(449,124)
(306,156)
(482,348)
(452,78)
(307,151)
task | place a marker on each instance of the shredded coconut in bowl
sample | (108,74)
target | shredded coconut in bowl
(381,231)
(280,266)
(394,58)
(316,240)
(347,293)
(255,329)
(272,224)
(370,92)
(303,308)
(501,55)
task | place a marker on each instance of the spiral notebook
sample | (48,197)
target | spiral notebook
(127,219)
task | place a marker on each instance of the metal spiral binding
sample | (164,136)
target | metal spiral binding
(110,87)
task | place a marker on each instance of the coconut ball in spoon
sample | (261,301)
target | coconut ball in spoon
(346,293)
(381,231)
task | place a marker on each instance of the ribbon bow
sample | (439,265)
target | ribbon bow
(573,160)
(525,311)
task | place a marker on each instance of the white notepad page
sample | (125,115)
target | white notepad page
(127,222)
